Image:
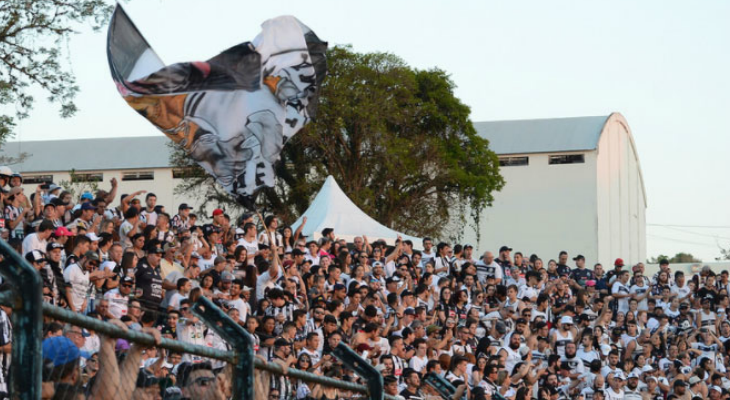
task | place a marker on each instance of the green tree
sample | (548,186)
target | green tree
(32,34)
(396,139)
(678,258)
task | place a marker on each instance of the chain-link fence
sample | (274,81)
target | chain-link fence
(55,353)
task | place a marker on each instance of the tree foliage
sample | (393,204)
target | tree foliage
(32,35)
(398,142)
(678,258)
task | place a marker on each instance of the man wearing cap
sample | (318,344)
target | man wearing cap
(580,274)
(616,383)
(504,259)
(53,274)
(181,220)
(63,357)
(611,275)
(283,357)
(38,240)
(149,284)
(715,392)
(118,297)
(77,275)
(88,219)
(631,391)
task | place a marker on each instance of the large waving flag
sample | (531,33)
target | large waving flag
(233,113)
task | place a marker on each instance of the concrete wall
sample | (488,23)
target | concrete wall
(621,203)
(543,209)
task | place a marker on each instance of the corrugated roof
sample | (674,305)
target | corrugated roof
(90,154)
(505,137)
(542,135)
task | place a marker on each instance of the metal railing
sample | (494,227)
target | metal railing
(25,299)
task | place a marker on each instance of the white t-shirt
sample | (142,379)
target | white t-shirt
(175,300)
(117,303)
(150,217)
(31,242)
(418,364)
(241,306)
(263,282)
(79,281)
(206,263)
(623,303)
(681,291)
(640,291)
(124,230)
(488,270)
(251,247)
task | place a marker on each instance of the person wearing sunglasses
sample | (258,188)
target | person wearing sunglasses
(77,275)
(198,381)
(119,297)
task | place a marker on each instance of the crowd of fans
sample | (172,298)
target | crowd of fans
(494,325)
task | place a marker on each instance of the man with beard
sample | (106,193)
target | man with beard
(413,382)
(632,392)
(575,364)
(510,354)
(315,322)
(504,259)
(612,366)
(520,326)
(77,275)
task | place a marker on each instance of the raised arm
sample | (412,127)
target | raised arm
(112,193)
(298,232)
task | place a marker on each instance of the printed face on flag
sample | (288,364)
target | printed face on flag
(234,113)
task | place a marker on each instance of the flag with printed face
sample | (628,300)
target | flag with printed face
(233,113)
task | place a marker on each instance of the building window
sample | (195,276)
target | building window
(37,179)
(138,176)
(513,161)
(89,177)
(187,172)
(567,159)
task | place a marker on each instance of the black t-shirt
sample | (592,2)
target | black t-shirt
(410,396)
(149,283)
(563,270)
(705,293)
(581,275)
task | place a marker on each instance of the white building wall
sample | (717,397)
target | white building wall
(621,204)
(163,186)
(543,209)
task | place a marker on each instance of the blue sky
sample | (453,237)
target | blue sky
(662,64)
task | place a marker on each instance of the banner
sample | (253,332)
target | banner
(233,113)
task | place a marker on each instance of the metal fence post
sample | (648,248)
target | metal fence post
(27,319)
(238,338)
(371,375)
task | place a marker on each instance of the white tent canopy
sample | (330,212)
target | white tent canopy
(332,208)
